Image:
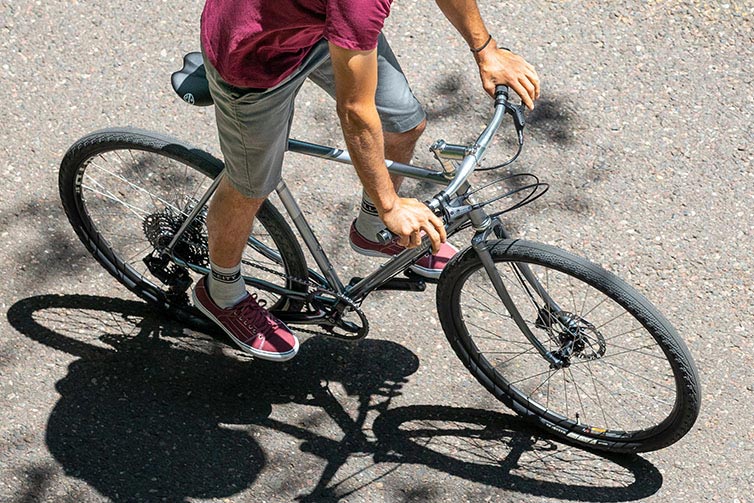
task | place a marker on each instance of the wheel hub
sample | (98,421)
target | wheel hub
(576,336)
(160,227)
(579,338)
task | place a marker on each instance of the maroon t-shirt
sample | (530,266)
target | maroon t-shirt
(257,43)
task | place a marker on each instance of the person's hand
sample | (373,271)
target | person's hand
(501,66)
(409,218)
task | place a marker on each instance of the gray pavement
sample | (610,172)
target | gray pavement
(644,132)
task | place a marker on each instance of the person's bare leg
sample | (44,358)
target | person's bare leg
(229,221)
(399,147)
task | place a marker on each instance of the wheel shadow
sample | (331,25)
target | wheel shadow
(503,451)
(149,411)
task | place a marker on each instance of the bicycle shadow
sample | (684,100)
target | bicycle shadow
(150,412)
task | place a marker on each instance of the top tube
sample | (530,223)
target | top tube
(467,167)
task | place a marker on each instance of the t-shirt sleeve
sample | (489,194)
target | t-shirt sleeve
(355,24)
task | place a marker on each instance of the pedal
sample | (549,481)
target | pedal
(412,276)
(400,284)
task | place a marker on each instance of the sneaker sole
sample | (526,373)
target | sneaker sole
(421,271)
(264,355)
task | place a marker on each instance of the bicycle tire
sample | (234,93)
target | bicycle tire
(632,381)
(165,175)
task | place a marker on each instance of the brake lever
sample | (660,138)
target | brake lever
(517,111)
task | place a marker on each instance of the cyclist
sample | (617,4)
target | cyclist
(257,54)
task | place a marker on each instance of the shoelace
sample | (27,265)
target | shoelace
(252,314)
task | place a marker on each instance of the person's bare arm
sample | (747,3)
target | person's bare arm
(355,85)
(496,66)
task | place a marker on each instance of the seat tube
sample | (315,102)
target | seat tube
(198,208)
(307,234)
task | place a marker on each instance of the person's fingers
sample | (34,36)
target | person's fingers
(534,79)
(521,91)
(434,237)
(403,239)
(416,239)
(528,85)
(437,224)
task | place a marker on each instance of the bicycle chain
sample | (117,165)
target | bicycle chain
(313,288)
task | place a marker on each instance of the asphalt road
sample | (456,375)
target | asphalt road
(644,131)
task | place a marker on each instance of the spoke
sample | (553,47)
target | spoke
(612,319)
(636,350)
(132,209)
(633,413)
(529,377)
(135,187)
(130,259)
(513,271)
(630,384)
(506,362)
(624,333)
(497,337)
(129,238)
(550,373)
(565,394)
(597,394)
(578,395)
(573,301)
(487,309)
(135,169)
(595,307)
(618,367)
(522,286)
(583,302)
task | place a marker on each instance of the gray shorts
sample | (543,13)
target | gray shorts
(254,124)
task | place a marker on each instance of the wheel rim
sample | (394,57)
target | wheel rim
(121,188)
(619,385)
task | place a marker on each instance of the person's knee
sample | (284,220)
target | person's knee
(417,131)
(409,137)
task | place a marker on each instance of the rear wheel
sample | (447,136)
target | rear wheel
(627,382)
(126,192)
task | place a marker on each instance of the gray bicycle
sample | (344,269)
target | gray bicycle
(554,337)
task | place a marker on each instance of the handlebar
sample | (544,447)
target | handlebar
(475,153)
(477,150)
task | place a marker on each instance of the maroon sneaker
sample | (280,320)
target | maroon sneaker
(429,266)
(250,325)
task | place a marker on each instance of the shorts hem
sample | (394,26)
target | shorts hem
(256,192)
(405,124)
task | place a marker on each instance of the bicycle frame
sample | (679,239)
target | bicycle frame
(455,185)
(328,277)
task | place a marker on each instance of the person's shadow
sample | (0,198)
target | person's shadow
(144,412)
(149,412)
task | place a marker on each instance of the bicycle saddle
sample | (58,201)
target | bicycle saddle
(190,82)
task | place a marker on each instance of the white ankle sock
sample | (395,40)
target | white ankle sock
(225,285)
(368,223)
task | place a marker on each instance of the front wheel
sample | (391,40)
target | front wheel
(625,382)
